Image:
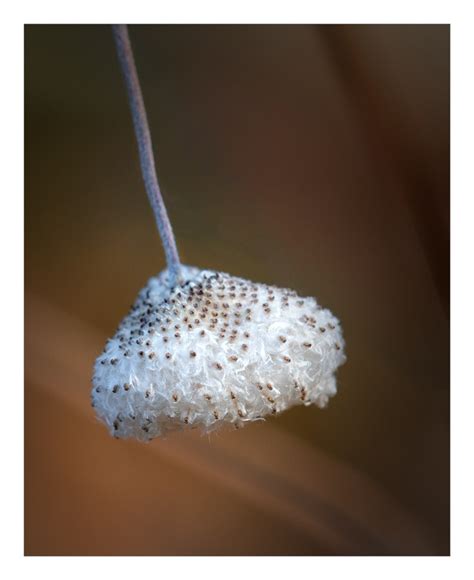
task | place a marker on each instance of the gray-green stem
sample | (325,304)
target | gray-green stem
(145,150)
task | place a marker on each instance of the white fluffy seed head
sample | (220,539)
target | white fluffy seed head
(212,351)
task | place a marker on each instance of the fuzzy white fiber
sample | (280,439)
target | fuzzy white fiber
(214,350)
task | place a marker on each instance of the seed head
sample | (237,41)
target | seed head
(180,375)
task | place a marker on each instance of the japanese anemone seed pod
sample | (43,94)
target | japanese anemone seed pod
(201,348)
(212,350)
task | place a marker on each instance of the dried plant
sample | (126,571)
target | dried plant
(202,348)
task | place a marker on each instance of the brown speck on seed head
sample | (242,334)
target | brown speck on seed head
(287,359)
(175,397)
(307,344)
(168,355)
(115,389)
(192,354)
(218,366)
(233,358)
(152,355)
(126,387)
(282,339)
(244,347)
(269,386)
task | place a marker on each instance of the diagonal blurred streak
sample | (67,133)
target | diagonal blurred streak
(328,500)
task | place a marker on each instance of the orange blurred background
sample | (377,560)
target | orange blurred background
(310,157)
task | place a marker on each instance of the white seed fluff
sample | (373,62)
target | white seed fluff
(214,350)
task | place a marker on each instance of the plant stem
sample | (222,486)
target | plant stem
(145,150)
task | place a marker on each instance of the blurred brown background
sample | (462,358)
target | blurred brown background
(314,157)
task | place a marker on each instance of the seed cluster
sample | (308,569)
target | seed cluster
(216,349)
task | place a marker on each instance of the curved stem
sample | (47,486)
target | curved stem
(145,150)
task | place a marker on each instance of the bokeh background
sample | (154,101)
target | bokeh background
(314,157)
